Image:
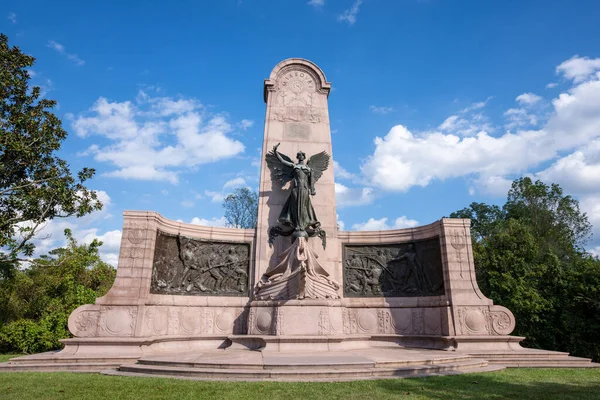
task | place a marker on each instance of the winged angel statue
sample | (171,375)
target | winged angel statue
(298,215)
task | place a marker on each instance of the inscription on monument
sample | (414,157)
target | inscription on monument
(185,266)
(295,97)
(393,270)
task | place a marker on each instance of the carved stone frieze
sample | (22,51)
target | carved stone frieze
(184,266)
(393,270)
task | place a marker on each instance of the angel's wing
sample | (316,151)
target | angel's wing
(279,170)
(318,163)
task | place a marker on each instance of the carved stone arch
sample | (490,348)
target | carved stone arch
(297,63)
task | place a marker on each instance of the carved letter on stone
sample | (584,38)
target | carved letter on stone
(394,270)
(185,266)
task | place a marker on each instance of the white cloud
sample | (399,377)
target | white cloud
(155,138)
(215,197)
(233,183)
(467,122)
(316,3)
(381,110)
(12,17)
(528,99)
(218,222)
(350,14)
(70,56)
(519,117)
(551,85)
(381,224)
(246,123)
(403,159)
(346,196)
(339,222)
(111,243)
(578,68)
(342,173)
(578,172)
(595,251)
(51,235)
(497,186)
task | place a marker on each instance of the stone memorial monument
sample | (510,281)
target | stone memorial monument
(295,284)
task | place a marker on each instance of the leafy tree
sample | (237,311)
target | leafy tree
(529,256)
(35,185)
(241,208)
(36,303)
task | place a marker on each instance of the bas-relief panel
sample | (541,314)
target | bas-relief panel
(184,266)
(295,97)
(393,270)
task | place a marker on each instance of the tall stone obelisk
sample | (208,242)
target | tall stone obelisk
(297,116)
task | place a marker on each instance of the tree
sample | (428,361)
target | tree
(36,302)
(241,208)
(529,256)
(35,185)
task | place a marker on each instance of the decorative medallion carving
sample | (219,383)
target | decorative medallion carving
(86,323)
(136,233)
(184,266)
(118,320)
(474,321)
(393,270)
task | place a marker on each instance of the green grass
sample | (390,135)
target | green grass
(576,384)
(6,357)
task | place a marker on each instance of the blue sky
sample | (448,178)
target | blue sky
(435,104)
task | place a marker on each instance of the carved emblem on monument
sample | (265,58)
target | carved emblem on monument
(294,98)
(394,270)
(187,266)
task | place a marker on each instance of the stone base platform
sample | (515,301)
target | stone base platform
(357,364)
(270,357)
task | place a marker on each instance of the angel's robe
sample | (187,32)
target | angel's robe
(298,211)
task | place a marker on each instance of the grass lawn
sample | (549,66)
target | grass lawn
(6,357)
(576,384)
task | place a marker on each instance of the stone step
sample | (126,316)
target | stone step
(57,367)
(315,373)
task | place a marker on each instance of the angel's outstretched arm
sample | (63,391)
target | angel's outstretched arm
(284,162)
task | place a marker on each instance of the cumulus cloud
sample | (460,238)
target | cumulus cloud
(84,230)
(381,224)
(350,14)
(403,159)
(234,183)
(316,3)
(70,56)
(528,98)
(155,138)
(346,196)
(578,68)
